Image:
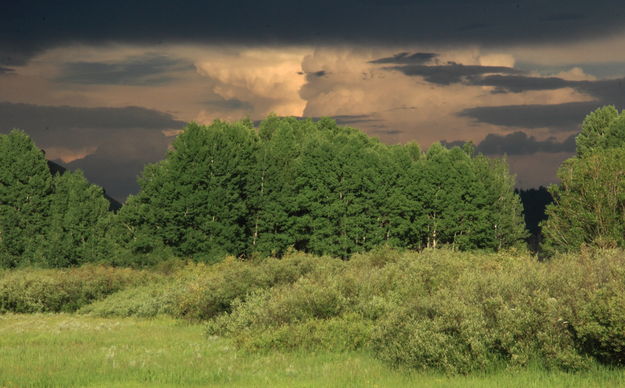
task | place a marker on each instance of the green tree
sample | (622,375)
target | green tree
(469,200)
(503,220)
(401,208)
(595,128)
(196,200)
(336,182)
(588,206)
(25,188)
(589,203)
(272,193)
(78,219)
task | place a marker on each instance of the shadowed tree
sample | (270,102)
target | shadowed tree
(272,194)
(594,130)
(25,188)
(589,203)
(78,220)
(337,180)
(196,200)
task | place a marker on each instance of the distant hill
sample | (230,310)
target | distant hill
(55,168)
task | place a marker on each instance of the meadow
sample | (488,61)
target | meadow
(68,350)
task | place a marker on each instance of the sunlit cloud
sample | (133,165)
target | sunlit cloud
(265,80)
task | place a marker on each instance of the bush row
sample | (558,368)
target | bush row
(439,309)
(444,310)
(65,290)
(199,291)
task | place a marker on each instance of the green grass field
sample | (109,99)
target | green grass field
(70,350)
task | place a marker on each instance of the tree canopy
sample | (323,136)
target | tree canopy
(46,220)
(230,188)
(317,187)
(589,203)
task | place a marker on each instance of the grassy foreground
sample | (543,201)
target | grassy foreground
(43,350)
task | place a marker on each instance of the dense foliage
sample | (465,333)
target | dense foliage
(46,220)
(319,188)
(229,188)
(32,290)
(589,204)
(25,193)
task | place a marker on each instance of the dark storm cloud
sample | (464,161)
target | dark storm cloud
(37,118)
(314,75)
(5,70)
(600,70)
(609,91)
(518,143)
(144,70)
(229,104)
(475,26)
(520,83)
(557,117)
(28,27)
(563,17)
(354,119)
(450,73)
(124,138)
(389,132)
(407,58)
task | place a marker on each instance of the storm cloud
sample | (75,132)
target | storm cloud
(29,27)
(407,58)
(609,91)
(557,117)
(150,69)
(518,143)
(39,118)
(450,73)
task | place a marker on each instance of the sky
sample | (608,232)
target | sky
(106,86)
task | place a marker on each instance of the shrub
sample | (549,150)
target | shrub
(601,327)
(596,303)
(343,333)
(303,301)
(211,290)
(451,311)
(66,290)
(143,301)
(482,319)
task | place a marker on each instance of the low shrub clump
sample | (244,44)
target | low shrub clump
(197,291)
(64,290)
(145,301)
(206,291)
(444,310)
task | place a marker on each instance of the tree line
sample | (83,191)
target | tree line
(313,186)
(316,187)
